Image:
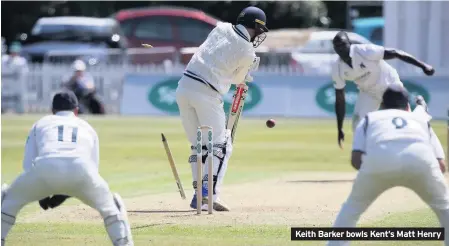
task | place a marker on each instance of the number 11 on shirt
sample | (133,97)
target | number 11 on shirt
(61,133)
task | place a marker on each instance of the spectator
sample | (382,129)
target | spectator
(82,84)
(14,63)
(14,71)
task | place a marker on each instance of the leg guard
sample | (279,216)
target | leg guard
(121,207)
(193,165)
(8,222)
(222,154)
(4,190)
(117,225)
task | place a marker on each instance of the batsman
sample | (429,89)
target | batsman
(226,57)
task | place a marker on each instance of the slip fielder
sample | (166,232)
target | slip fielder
(62,157)
(394,147)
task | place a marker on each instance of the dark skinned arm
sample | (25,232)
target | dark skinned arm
(406,57)
(356,159)
(340,110)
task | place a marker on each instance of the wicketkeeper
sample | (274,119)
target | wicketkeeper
(226,57)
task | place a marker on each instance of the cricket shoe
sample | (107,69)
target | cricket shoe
(419,100)
(193,202)
(218,205)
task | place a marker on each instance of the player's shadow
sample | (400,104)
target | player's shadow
(150,225)
(159,211)
(322,181)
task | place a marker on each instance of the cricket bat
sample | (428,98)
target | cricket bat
(236,108)
(173,166)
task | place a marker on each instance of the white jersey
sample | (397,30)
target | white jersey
(224,58)
(369,71)
(61,135)
(393,125)
(14,65)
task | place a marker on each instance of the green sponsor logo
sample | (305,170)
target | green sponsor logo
(163,96)
(325,96)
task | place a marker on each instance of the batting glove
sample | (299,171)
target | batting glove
(255,65)
(249,78)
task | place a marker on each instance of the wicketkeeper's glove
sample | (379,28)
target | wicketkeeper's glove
(44,203)
(57,200)
(52,202)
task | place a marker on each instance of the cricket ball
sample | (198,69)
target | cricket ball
(270,123)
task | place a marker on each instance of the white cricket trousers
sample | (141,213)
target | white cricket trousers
(70,176)
(397,164)
(365,104)
(368,102)
(200,105)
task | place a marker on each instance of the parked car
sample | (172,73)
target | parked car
(276,50)
(164,27)
(371,28)
(71,38)
(318,55)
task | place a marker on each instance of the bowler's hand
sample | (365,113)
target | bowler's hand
(428,70)
(341,138)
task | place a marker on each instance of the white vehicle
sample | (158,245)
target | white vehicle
(317,55)
(65,39)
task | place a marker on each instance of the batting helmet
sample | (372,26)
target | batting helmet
(254,18)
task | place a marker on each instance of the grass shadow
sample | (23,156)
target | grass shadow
(150,225)
(322,181)
(160,211)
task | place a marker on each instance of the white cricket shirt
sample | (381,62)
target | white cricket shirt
(224,58)
(369,71)
(61,135)
(392,125)
(14,64)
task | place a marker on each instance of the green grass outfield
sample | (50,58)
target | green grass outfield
(134,163)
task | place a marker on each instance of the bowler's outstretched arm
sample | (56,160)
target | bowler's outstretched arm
(406,57)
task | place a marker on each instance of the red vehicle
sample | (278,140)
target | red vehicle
(164,27)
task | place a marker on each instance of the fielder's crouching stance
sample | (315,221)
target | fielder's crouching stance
(226,57)
(62,157)
(398,148)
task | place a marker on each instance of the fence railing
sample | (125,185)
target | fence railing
(170,57)
(36,88)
